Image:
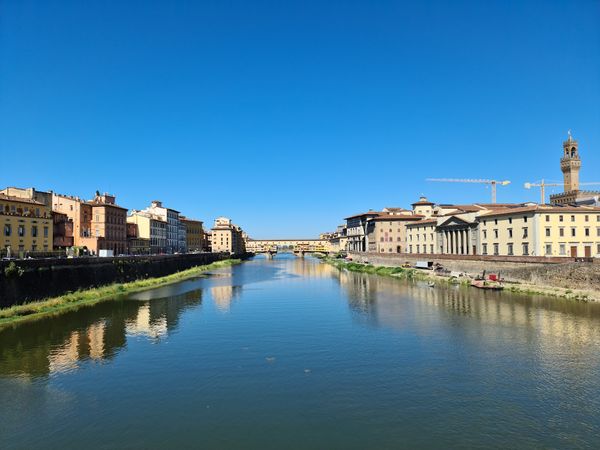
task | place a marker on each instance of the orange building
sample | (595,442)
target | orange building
(98,224)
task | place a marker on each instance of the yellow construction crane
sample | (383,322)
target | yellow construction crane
(542,185)
(493,183)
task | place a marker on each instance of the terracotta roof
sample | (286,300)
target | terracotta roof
(11,198)
(423,202)
(393,218)
(370,213)
(543,209)
(422,222)
(94,203)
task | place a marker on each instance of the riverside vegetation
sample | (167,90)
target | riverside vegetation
(416,274)
(89,297)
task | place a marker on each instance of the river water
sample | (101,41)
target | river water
(291,353)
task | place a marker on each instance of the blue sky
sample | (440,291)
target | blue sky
(289,116)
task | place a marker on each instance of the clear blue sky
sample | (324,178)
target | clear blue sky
(288,116)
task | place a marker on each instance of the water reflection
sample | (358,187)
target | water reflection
(556,325)
(63,343)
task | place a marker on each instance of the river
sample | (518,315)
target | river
(293,353)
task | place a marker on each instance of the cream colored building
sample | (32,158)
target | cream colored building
(227,237)
(421,236)
(542,230)
(150,227)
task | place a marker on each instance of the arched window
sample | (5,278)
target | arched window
(573,152)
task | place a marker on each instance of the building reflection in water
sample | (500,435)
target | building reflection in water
(60,344)
(552,328)
(224,295)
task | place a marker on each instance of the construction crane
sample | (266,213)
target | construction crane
(493,183)
(542,185)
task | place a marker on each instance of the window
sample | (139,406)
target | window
(525,219)
(510,249)
(496,249)
(484,249)
(34,231)
(561,249)
(524,232)
(598,232)
(525,249)
(510,220)
(496,233)
(21,230)
(510,233)
(561,232)
(7,230)
(573,231)
(547,232)
(572,218)
(587,218)
(495,221)
(485,234)
(548,249)
(587,231)
(45,232)
(547,218)
(560,218)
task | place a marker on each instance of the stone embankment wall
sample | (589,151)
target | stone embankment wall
(28,280)
(539,271)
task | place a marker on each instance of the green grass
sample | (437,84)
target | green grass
(89,297)
(397,272)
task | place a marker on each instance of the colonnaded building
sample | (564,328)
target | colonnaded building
(567,227)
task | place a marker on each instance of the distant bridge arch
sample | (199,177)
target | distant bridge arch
(298,246)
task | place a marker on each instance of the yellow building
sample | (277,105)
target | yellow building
(541,230)
(194,234)
(27,225)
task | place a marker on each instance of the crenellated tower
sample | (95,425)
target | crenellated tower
(570,164)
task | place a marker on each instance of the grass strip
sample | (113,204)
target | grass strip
(89,297)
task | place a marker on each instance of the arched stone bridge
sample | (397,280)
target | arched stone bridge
(297,246)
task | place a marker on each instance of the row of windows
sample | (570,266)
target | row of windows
(510,249)
(21,230)
(17,210)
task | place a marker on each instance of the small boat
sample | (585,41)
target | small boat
(481,284)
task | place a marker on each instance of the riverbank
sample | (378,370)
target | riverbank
(89,297)
(571,293)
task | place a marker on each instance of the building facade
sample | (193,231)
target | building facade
(357,231)
(194,234)
(98,224)
(27,226)
(542,230)
(152,228)
(227,237)
(386,233)
(175,240)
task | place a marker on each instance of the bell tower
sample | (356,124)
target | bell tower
(570,164)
